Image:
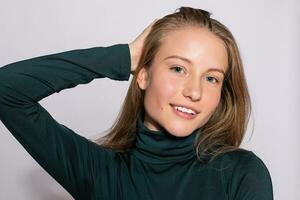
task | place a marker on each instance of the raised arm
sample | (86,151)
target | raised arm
(65,155)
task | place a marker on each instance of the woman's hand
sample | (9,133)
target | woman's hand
(136,46)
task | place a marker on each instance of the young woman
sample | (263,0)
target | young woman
(180,127)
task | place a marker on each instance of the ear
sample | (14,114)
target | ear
(143,78)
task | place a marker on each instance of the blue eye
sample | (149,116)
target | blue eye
(212,79)
(177,69)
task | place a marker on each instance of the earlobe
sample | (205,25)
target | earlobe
(142,78)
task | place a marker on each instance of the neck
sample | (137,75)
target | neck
(161,147)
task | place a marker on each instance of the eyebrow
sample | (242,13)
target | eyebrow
(190,62)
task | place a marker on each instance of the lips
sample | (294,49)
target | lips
(184,115)
(185,106)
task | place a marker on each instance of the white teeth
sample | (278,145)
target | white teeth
(183,109)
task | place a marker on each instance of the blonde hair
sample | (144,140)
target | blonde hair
(225,129)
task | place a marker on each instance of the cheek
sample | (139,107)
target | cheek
(160,92)
(212,100)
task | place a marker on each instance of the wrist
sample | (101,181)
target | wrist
(133,57)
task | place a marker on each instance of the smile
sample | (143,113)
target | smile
(184,112)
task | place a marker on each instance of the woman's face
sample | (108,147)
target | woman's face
(183,84)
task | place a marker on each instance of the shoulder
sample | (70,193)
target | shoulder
(241,162)
(246,175)
(242,158)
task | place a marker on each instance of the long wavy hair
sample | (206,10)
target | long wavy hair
(226,128)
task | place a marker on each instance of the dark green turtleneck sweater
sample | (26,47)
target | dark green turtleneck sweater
(160,167)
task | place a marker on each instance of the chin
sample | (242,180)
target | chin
(180,132)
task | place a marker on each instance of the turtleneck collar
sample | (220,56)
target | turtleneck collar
(160,147)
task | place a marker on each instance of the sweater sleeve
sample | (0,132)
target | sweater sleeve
(251,179)
(68,157)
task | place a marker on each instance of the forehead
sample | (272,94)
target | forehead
(202,47)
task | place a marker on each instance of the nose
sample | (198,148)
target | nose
(192,89)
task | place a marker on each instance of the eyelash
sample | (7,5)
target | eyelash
(173,68)
(216,80)
(176,67)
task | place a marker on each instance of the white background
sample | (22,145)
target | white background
(267,33)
